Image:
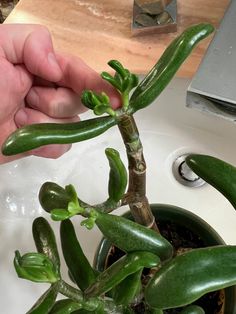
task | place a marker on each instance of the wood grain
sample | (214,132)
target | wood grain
(98,31)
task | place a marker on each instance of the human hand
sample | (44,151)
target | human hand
(38,84)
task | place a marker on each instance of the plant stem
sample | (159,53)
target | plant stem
(76,295)
(70,291)
(91,304)
(139,205)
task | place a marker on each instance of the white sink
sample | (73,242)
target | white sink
(168,129)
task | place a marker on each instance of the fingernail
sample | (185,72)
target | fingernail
(21,118)
(53,61)
(33,98)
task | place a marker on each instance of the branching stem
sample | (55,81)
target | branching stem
(138,202)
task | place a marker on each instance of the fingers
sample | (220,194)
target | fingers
(21,82)
(31,45)
(30,116)
(55,102)
(51,151)
(78,76)
(15,82)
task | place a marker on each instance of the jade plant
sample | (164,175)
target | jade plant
(150,272)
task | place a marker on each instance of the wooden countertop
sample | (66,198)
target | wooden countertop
(100,30)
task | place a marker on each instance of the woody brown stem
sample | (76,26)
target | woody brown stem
(138,202)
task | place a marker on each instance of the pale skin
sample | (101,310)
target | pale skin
(39,84)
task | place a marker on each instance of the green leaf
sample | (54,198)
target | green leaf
(88,223)
(70,190)
(45,302)
(125,292)
(129,82)
(217,173)
(123,80)
(100,103)
(154,311)
(87,312)
(193,309)
(118,67)
(166,67)
(86,99)
(59,214)
(134,80)
(117,177)
(73,207)
(130,236)
(128,310)
(76,261)
(105,98)
(45,241)
(117,272)
(36,135)
(118,78)
(101,109)
(65,306)
(35,267)
(190,275)
(112,80)
(52,195)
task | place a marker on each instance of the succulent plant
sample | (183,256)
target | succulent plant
(173,281)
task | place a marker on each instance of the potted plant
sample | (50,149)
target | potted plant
(149,272)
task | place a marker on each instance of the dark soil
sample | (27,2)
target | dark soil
(182,239)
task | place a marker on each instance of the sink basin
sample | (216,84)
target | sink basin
(168,130)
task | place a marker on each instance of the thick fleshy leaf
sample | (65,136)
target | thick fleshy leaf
(65,306)
(52,195)
(33,136)
(193,309)
(123,80)
(89,312)
(117,272)
(112,80)
(125,292)
(166,67)
(128,310)
(45,241)
(86,99)
(190,275)
(36,267)
(99,103)
(217,173)
(59,202)
(117,177)
(130,236)
(154,311)
(76,261)
(45,302)
(118,67)
(59,214)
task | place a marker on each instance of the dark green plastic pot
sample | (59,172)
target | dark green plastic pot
(182,218)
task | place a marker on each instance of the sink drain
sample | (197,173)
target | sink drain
(184,175)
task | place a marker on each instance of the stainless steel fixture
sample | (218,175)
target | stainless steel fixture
(159,16)
(213,88)
(184,175)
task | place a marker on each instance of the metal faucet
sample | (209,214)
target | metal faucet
(212,88)
(154,16)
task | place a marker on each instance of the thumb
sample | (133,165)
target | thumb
(32,46)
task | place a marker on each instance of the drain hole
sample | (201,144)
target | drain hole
(184,175)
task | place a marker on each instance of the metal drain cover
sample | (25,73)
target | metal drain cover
(184,175)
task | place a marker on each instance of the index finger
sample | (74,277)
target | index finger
(31,45)
(79,76)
